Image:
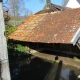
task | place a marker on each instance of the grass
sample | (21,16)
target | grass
(9,30)
(76,59)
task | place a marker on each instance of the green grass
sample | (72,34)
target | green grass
(76,59)
(9,30)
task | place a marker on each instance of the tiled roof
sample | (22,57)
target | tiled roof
(55,27)
(52,8)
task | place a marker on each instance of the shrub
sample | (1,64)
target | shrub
(20,48)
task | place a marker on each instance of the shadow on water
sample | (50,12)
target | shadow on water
(54,73)
(28,67)
(50,73)
(35,70)
(72,75)
(17,60)
(58,71)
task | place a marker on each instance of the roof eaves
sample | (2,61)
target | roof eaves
(76,37)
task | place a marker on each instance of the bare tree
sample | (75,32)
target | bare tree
(16,8)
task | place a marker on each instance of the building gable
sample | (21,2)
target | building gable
(72,3)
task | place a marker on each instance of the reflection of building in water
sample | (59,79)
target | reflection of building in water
(72,3)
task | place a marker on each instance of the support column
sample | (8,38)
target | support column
(5,73)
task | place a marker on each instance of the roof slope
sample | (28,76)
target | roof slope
(55,27)
(52,8)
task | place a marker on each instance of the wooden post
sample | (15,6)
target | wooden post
(5,73)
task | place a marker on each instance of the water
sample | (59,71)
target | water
(28,67)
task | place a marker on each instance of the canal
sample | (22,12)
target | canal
(29,67)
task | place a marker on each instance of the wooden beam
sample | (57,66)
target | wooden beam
(78,43)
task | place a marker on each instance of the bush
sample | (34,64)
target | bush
(21,48)
(17,47)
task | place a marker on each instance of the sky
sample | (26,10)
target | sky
(35,5)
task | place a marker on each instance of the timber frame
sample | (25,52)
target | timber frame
(78,43)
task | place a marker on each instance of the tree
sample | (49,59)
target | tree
(16,8)
(6,16)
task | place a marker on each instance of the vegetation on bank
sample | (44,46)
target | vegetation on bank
(13,45)
(17,49)
(9,30)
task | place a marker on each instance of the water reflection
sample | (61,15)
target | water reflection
(72,76)
(58,71)
(35,70)
(28,67)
